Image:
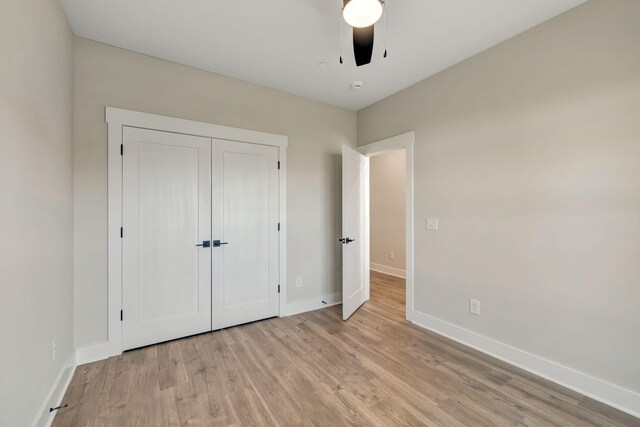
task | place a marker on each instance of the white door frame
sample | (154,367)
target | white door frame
(405,141)
(116,118)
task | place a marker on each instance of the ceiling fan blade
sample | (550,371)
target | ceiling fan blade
(363,45)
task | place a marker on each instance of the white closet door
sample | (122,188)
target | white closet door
(245,221)
(166,213)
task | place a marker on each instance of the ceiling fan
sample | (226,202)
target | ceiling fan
(362,15)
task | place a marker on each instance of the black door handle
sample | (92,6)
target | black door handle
(346,240)
(218,243)
(205,244)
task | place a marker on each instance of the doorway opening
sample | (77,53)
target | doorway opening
(387,226)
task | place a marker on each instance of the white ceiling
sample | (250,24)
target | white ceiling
(279,43)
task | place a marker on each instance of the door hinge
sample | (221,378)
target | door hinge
(121,232)
(278,288)
(278,164)
(278,226)
(122,149)
(121,315)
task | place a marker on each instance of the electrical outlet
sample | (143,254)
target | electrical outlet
(54,348)
(431,224)
(298,282)
(392,255)
(474,306)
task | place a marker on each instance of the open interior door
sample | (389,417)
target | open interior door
(355,220)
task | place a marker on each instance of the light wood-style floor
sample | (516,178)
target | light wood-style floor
(315,369)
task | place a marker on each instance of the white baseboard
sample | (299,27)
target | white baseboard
(312,304)
(610,394)
(392,271)
(95,352)
(105,350)
(44,418)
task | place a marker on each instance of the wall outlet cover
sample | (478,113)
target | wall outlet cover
(392,255)
(431,224)
(298,282)
(474,306)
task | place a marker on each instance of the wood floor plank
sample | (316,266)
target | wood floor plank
(314,369)
(171,366)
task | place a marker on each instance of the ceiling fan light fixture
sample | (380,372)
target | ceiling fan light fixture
(362,13)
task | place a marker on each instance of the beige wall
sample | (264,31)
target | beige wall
(529,155)
(108,76)
(387,201)
(36,66)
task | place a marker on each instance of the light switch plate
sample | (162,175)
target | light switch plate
(431,224)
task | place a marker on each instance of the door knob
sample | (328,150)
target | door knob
(346,240)
(218,243)
(205,244)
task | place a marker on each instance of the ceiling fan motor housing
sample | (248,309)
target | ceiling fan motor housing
(363,36)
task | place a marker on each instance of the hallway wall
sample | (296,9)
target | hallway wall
(387,208)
